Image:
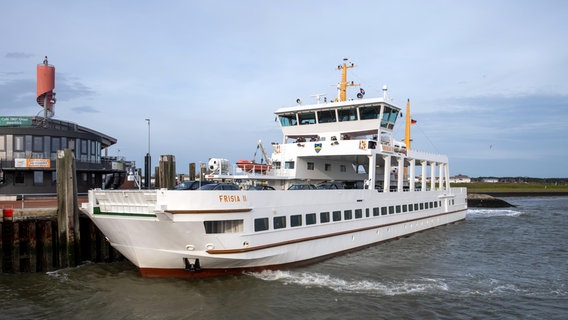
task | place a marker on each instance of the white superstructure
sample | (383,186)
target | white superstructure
(350,142)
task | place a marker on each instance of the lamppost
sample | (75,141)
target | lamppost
(148,162)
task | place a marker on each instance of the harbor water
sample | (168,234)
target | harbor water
(497,264)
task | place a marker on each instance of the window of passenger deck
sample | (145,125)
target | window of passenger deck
(307,118)
(260,224)
(310,218)
(325,116)
(287,120)
(324,217)
(296,220)
(359,213)
(347,214)
(336,215)
(279,222)
(348,114)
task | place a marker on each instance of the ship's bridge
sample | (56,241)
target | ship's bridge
(347,119)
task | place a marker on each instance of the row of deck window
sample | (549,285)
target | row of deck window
(298,220)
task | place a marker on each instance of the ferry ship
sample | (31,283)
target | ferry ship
(345,143)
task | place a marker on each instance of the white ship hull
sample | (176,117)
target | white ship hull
(163,232)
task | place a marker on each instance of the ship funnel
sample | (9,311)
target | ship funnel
(45,96)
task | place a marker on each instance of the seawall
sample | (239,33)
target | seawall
(29,242)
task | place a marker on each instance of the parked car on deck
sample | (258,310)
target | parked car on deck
(330,185)
(303,186)
(260,187)
(191,185)
(220,186)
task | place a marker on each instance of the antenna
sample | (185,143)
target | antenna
(318,97)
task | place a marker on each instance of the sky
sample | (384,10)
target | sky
(487,79)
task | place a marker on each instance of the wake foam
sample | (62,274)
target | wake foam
(489,213)
(318,280)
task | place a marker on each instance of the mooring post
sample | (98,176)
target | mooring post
(67,210)
(192,171)
(167,171)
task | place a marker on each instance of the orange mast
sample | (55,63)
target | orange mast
(407,127)
(342,94)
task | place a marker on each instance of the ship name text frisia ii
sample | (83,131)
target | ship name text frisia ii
(367,194)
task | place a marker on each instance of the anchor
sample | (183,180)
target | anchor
(193,267)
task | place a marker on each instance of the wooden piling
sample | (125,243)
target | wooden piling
(192,171)
(167,171)
(68,210)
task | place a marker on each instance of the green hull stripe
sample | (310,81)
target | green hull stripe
(97,210)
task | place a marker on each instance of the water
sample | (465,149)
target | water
(498,264)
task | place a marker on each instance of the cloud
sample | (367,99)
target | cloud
(18,55)
(85,109)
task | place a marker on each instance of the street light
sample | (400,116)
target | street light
(148,162)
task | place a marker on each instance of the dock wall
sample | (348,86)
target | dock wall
(30,242)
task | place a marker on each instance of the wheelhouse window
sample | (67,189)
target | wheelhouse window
(370,112)
(287,120)
(349,114)
(326,116)
(389,117)
(307,118)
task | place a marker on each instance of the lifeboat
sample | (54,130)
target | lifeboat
(249,166)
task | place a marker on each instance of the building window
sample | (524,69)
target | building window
(279,222)
(310,166)
(55,144)
(19,143)
(29,143)
(327,167)
(2,143)
(38,177)
(260,224)
(296,220)
(289,165)
(324,217)
(19,177)
(310,218)
(37,144)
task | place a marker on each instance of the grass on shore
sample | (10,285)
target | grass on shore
(480,187)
